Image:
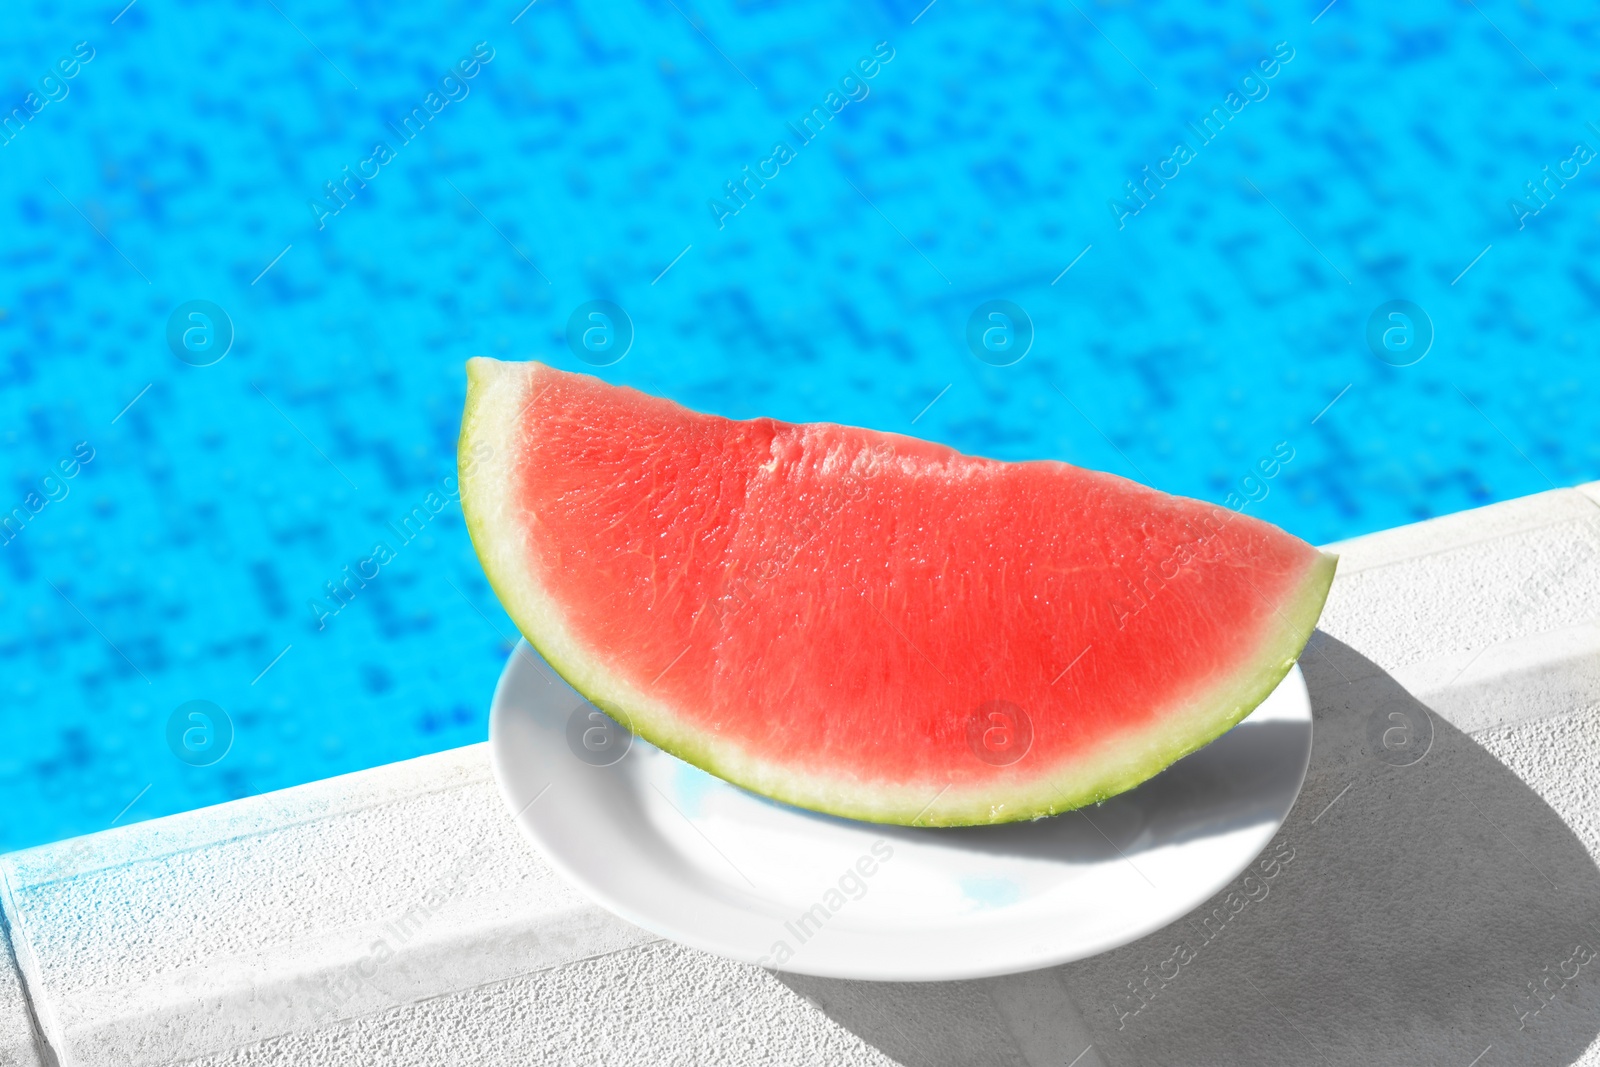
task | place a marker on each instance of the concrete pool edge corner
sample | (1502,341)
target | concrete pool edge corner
(22,1039)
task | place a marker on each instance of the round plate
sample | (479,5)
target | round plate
(679,852)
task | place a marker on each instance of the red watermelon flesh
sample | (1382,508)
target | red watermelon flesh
(868,624)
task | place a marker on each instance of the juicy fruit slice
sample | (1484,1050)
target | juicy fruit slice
(867,624)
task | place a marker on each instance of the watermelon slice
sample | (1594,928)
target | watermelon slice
(867,624)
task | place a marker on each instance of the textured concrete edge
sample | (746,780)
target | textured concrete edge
(48,1023)
(236,1010)
(22,1039)
(1536,677)
(323,978)
(1498,682)
(1402,544)
(249,816)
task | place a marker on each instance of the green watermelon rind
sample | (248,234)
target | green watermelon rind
(493,418)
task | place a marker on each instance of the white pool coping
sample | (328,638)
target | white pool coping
(395,916)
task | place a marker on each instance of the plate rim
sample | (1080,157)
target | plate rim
(698,939)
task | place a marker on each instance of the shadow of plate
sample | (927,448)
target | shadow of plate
(1433,909)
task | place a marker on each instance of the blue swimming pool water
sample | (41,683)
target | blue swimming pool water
(583,157)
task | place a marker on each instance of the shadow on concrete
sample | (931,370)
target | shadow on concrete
(1435,911)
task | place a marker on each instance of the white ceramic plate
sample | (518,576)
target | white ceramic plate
(686,855)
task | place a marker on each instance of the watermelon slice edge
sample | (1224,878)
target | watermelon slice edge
(823,663)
